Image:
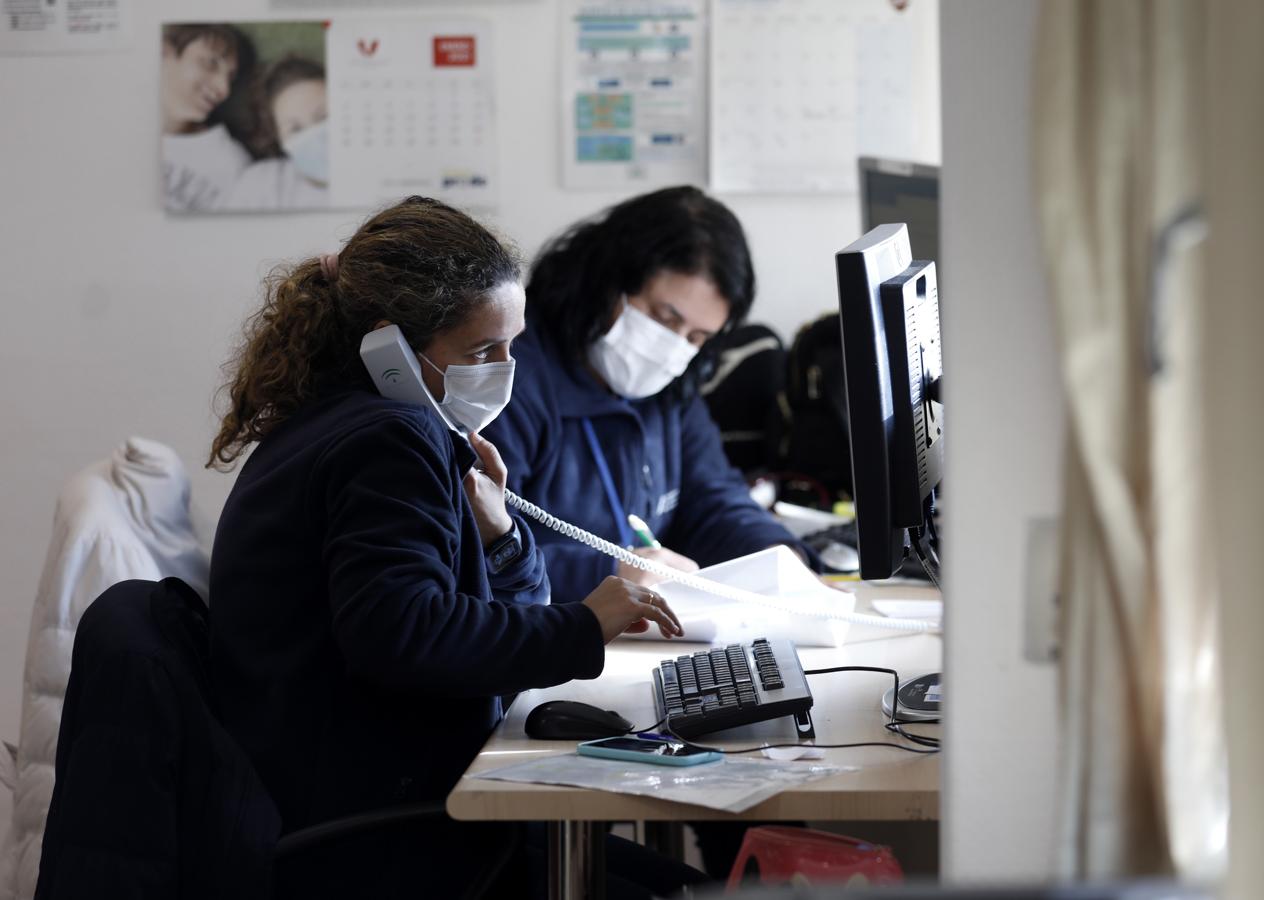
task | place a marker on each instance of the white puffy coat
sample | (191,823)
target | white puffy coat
(124,517)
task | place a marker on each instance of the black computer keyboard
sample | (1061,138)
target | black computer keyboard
(730,686)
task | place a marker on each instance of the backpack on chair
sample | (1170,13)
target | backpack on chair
(742,392)
(813,447)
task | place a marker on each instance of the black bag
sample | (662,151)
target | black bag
(813,445)
(742,392)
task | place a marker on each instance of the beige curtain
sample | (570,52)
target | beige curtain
(1118,174)
(1234,140)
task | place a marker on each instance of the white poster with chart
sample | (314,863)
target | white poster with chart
(412,111)
(633,93)
(801,88)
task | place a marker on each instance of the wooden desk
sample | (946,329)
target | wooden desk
(887,784)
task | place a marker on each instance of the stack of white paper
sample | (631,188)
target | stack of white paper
(804,603)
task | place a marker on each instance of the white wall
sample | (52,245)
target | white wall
(1003,459)
(116,316)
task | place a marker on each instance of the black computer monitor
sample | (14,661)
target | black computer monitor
(892,191)
(889,316)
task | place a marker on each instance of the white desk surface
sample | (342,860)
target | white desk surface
(887,784)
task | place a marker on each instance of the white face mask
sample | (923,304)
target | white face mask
(638,357)
(308,149)
(473,396)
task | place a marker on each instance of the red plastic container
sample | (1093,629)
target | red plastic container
(779,854)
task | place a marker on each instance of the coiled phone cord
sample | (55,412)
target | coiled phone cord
(704,584)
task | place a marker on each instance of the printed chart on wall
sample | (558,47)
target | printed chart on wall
(801,88)
(633,93)
(353,113)
(64,26)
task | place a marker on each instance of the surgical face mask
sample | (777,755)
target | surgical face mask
(638,357)
(309,151)
(473,396)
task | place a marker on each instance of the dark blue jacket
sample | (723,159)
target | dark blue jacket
(358,647)
(664,456)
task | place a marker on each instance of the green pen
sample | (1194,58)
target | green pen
(641,530)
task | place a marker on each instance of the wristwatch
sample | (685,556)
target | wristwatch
(504,550)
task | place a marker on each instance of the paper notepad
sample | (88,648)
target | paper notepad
(778,574)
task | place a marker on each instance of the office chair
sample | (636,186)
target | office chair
(122,517)
(152,797)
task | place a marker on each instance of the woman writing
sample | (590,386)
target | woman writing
(618,309)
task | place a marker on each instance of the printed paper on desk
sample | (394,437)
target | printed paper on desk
(732,785)
(778,574)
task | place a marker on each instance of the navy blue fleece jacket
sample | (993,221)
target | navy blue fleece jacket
(358,644)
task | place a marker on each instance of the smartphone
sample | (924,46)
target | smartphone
(649,750)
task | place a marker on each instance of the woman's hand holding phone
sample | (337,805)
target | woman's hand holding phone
(620,606)
(486,490)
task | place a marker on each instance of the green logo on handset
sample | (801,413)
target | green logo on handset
(391,375)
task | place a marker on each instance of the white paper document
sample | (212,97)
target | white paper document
(633,93)
(732,785)
(778,574)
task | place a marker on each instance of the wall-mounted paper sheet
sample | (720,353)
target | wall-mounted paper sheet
(633,93)
(413,111)
(801,88)
(64,26)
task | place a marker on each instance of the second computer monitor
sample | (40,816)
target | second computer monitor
(888,310)
(892,191)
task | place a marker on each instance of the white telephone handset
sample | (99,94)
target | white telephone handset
(396,373)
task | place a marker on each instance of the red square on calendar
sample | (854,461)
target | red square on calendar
(450,50)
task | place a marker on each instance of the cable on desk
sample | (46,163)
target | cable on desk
(924,539)
(817,746)
(896,725)
(639,731)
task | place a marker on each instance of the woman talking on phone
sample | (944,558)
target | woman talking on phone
(360,636)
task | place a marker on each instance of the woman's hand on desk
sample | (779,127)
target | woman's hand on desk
(659,555)
(620,606)
(486,491)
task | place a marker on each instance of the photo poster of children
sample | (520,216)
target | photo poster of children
(244,117)
(310,115)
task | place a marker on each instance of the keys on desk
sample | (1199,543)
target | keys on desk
(720,688)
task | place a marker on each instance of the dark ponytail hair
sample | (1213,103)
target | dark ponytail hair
(420,264)
(580,276)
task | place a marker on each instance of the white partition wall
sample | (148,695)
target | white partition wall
(1003,453)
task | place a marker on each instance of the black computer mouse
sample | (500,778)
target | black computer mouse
(564,720)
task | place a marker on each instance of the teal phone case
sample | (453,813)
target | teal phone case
(592,748)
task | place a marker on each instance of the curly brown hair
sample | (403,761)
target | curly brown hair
(420,264)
